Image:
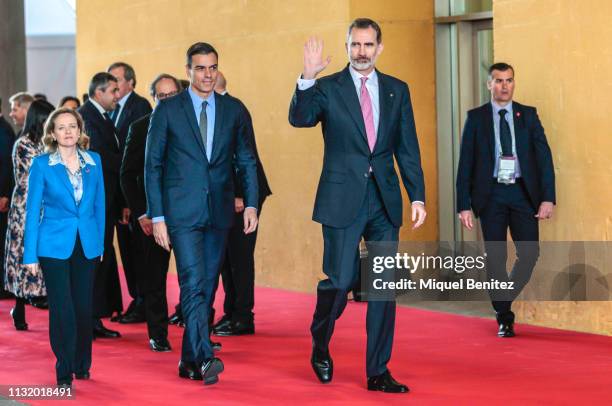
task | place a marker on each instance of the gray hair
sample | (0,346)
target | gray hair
(22,99)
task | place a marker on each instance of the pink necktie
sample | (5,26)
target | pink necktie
(368,115)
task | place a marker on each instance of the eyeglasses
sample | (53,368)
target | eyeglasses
(161,96)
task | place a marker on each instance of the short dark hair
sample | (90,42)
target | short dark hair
(128,71)
(184,83)
(70,98)
(35,120)
(200,48)
(164,76)
(100,81)
(39,96)
(364,23)
(500,66)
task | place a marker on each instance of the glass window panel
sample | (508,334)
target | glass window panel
(485,59)
(459,7)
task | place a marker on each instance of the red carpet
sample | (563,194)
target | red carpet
(444,359)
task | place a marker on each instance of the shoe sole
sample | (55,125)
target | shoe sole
(211,376)
(167,350)
(190,377)
(225,334)
(374,389)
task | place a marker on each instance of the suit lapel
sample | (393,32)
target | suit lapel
(106,125)
(126,111)
(520,132)
(487,112)
(219,110)
(86,172)
(191,118)
(348,94)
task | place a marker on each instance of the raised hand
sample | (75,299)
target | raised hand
(313,58)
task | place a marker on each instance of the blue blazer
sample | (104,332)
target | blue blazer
(54,233)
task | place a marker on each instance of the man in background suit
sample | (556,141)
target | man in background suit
(20,104)
(238,270)
(367,119)
(153,269)
(506,176)
(103,96)
(130,107)
(7,138)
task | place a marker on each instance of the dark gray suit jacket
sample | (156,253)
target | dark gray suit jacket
(334,103)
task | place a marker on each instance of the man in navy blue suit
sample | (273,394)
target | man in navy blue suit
(367,120)
(506,176)
(194,141)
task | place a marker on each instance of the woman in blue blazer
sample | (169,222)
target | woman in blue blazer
(64,233)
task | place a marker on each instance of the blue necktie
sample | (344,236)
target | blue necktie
(505,137)
(204,124)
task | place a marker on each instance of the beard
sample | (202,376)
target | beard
(362,63)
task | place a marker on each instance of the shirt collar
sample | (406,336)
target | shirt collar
(97,106)
(84,158)
(124,99)
(197,100)
(497,108)
(372,76)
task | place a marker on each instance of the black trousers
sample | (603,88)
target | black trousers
(509,208)
(340,264)
(69,292)
(127,240)
(152,273)
(238,271)
(107,291)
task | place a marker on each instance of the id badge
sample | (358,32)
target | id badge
(507,169)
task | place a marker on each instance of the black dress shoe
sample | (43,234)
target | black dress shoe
(210,370)
(235,328)
(102,332)
(189,370)
(64,384)
(222,323)
(132,318)
(386,383)
(18,320)
(40,302)
(116,317)
(82,375)
(160,345)
(175,319)
(506,330)
(216,346)
(323,366)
